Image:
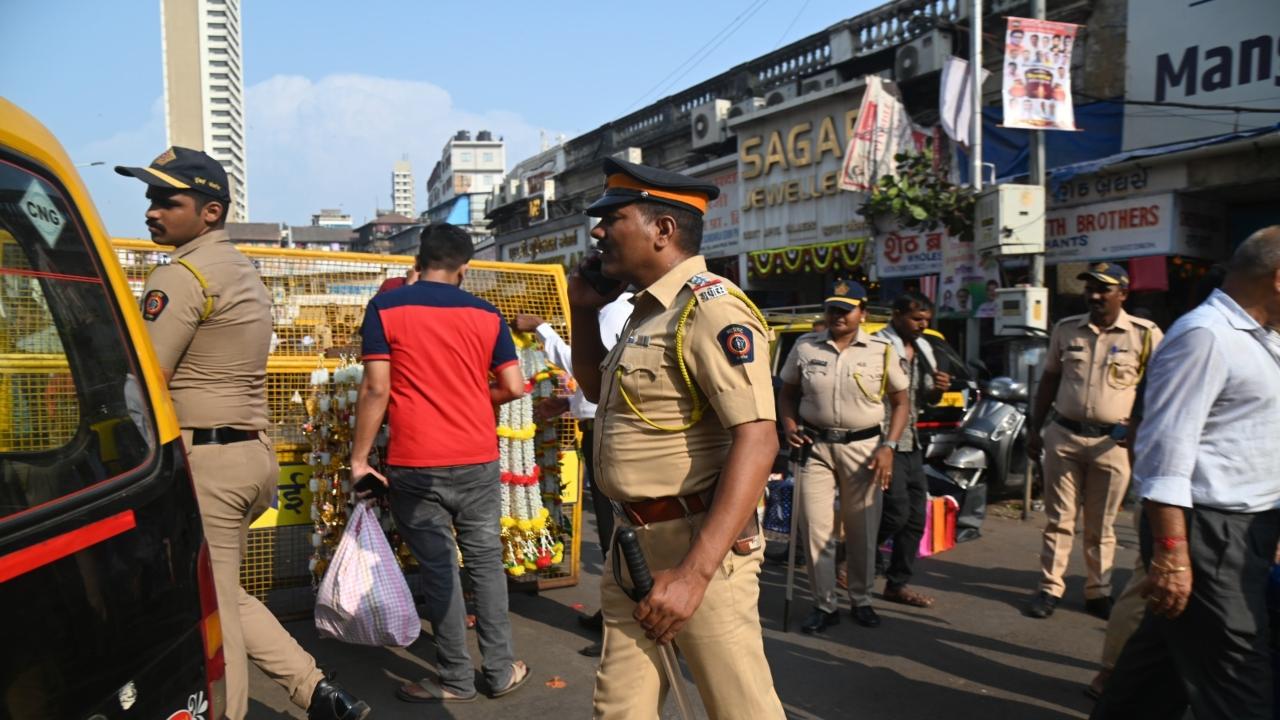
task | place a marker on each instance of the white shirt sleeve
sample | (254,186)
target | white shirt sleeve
(1185,377)
(613,319)
(558,351)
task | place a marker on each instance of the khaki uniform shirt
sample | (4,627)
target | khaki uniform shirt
(219,364)
(1100,367)
(726,351)
(841,389)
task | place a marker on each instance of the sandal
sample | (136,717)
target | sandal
(907,596)
(427,690)
(519,675)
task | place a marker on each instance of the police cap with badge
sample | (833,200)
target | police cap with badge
(846,295)
(180,168)
(626,183)
(1107,274)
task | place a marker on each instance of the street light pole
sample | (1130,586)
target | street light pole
(971,326)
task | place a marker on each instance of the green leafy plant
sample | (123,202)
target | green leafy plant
(921,197)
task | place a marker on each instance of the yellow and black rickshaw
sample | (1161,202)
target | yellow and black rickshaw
(105,582)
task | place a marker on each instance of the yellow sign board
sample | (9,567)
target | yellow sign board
(293,499)
(570,476)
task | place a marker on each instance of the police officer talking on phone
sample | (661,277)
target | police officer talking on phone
(209,318)
(1090,377)
(684,441)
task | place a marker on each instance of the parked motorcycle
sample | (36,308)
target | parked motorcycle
(986,453)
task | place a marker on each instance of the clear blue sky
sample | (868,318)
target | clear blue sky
(335,92)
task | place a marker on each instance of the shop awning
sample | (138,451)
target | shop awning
(1066,172)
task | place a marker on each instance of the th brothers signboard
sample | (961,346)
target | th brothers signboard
(1165,224)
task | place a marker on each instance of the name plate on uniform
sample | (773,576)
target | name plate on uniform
(292,505)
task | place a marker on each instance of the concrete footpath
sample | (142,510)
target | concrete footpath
(973,655)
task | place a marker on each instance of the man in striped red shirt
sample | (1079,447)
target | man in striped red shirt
(429,352)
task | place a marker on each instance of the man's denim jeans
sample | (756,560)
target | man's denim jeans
(429,505)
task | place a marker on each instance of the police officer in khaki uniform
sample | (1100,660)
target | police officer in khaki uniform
(834,386)
(209,318)
(1090,376)
(685,436)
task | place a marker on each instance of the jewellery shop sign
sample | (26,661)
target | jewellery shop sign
(789,164)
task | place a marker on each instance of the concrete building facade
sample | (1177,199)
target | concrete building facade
(203,86)
(402,190)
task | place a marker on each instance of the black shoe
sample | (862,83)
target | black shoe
(330,702)
(819,620)
(592,650)
(1099,607)
(866,616)
(592,622)
(1042,606)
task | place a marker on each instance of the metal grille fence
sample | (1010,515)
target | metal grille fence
(38,406)
(318,302)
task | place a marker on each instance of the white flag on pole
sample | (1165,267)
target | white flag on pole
(955,100)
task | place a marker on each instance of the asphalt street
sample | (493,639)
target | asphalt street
(973,655)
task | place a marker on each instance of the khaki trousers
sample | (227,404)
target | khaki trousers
(722,643)
(1129,610)
(234,485)
(840,470)
(1089,472)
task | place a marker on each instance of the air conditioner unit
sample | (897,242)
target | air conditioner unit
(821,81)
(780,94)
(926,54)
(746,107)
(707,122)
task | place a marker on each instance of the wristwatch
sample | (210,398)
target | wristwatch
(891,444)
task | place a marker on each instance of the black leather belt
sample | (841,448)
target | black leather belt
(834,435)
(221,436)
(1085,429)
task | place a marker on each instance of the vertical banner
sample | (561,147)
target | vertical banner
(883,130)
(1037,75)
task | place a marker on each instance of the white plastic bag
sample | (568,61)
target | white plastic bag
(363,598)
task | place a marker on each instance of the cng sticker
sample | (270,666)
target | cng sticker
(43,213)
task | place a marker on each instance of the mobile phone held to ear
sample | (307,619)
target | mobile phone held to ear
(371,484)
(590,271)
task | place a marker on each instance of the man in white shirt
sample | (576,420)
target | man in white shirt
(613,318)
(1209,475)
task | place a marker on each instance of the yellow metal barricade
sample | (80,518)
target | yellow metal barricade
(318,302)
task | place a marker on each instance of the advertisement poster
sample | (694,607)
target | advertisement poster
(884,129)
(1037,75)
(968,284)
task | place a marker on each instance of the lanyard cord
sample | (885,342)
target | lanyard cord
(699,405)
(884,381)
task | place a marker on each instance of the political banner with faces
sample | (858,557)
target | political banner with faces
(1037,75)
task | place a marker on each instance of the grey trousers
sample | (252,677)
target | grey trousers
(429,505)
(1214,657)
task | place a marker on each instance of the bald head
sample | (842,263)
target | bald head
(1253,276)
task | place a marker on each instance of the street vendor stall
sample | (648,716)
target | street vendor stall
(313,375)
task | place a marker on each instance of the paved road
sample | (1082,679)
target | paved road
(974,655)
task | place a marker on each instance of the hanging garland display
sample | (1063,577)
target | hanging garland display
(331,421)
(533,533)
(528,452)
(843,255)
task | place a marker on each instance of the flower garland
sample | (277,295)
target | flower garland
(843,255)
(528,460)
(331,420)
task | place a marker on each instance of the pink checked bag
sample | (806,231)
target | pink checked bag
(363,598)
